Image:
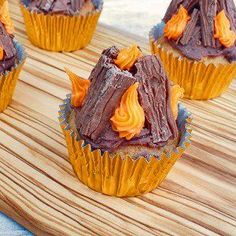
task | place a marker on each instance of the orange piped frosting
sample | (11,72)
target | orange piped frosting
(127,57)
(5,18)
(226,36)
(176,93)
(1,53)
(79,88)
(129,117)
(175,27)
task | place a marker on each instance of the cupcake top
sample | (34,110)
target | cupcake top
(8,53)
(127,100)
(64,7)
(202,28)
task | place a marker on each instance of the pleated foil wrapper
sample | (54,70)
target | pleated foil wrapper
(60,32)
(121,176)
(200,81)
(9,78)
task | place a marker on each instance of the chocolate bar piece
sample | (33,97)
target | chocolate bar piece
(6,43)
(108,140)
(111,52)
(208,13)
(10,52)
(108,84)
(174,6)
(154,97)
(189,4)
(60,6)
(46,5)
(190,28)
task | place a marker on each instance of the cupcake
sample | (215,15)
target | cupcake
(197,44)
(61,25)
(123,126)
(12,57)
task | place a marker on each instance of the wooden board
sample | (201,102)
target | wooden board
(39,189)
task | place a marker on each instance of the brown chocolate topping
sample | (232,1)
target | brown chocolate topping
(111,52)
(190,4)
(67,7)
(155,99)
(190,28)
(108,84)
(174,6)
(208,13)
(10,53)
(46,5)
(59,7)
(76,5)
(198,39)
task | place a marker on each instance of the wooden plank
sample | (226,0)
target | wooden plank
(39,189)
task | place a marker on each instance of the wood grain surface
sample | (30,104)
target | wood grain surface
(40,191)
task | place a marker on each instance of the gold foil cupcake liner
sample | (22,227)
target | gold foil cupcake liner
(59,32)
(121,176)
(10,77)
(199,80)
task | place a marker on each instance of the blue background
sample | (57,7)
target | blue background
(8,227)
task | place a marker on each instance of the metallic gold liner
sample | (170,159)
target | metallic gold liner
(58,32)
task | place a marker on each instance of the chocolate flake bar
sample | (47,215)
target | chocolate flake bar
(208,12)
(10,53)
(111,52)
(174,6)
(189,4)
(7,43)
(190,28)
(46,5)
(108,84)
(154,97)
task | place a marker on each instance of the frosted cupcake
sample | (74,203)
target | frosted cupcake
(196,42)
(12,57)
(61,25)
(123,126)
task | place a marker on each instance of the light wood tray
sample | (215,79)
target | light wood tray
(39,189)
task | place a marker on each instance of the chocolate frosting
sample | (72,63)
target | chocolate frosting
(108,84)
(10,53)
(65,7)
(198,39)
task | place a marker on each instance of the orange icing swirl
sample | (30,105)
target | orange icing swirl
(79,88)
(176,93)
(226,36)
(175,27)
(127,57)
(1,53)
(129,117)
(5,18)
